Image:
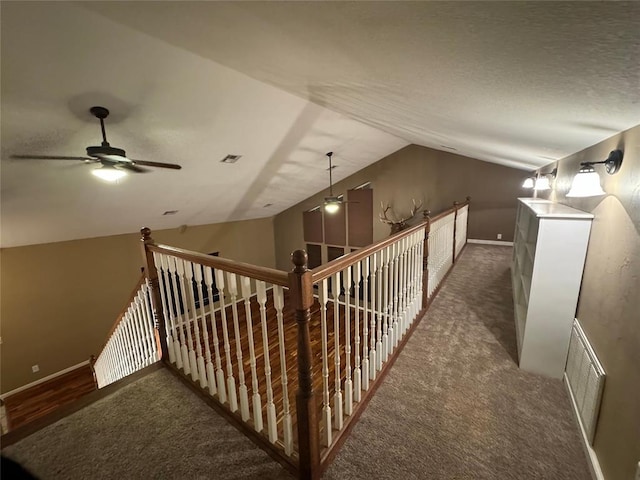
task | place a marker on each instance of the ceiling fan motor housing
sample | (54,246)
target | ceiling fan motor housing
(105,150)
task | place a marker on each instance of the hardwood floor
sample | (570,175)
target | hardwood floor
(45,398)
(35,402)
(275,359)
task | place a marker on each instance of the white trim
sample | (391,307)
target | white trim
(43,379)
(594,464)
(490,242)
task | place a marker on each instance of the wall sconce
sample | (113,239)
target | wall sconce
(543,180)
(540,181)
(586,183)
(529,182)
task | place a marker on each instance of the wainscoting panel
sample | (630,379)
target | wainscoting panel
(585,378)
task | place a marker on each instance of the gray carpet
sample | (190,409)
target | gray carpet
(454,406)
(153,428)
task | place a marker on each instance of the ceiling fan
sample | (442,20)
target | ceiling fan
(331,203)
(114,161)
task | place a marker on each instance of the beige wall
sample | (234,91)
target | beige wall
(59,300)
(435,177)
(609,306)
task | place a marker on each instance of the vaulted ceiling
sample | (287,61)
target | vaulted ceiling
(281,83)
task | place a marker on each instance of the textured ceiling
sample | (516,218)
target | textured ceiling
(520,84)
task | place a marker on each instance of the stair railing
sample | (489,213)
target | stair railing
(245,336)
(131,343)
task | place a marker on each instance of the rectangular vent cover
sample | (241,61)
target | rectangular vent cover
(585,377)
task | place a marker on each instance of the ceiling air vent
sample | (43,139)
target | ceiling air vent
(231,158)
(170,212)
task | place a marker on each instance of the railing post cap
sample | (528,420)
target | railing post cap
(299,259)
(426,213)
(146,233)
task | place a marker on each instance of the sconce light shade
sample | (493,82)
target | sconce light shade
(586,183)
(542,183)
(108,173)
(332,204)
(528,182)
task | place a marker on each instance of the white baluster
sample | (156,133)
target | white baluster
(132,347)
(173,274)
(376,308)
(209,376)
(365,325)
(245,285)
(140,331)
(383,267)
(220,386)
(348,384)
(231,381)
(337,398)
(191,302)
(272,426)
(323,297)
(357,375)
(167,312)
(396,296)
(402,288)
(278,301)
(135,339)
(244,394)
(167,292)
(184,280)
(386,325)
(148,320)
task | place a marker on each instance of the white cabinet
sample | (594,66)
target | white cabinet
(549,249)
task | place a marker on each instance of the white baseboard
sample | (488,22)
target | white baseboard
(594,464)
(43,379)
(491,242)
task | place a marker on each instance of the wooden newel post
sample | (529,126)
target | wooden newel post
(301,291)
(156,300)
(425,259)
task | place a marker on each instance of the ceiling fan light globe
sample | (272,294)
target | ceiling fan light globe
(108,174)
(331,204)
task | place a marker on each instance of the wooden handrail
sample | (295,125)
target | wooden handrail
(340,263)
(334,266)
(119,318)
(271,275)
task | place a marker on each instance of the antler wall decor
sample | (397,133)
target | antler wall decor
(398,225)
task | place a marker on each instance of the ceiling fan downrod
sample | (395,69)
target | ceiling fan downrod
(330,154)
(101,113)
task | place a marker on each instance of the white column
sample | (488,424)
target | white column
(348,384)
(191,302)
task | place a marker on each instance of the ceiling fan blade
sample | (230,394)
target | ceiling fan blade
(156,164)
(49,157)
(133,168)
